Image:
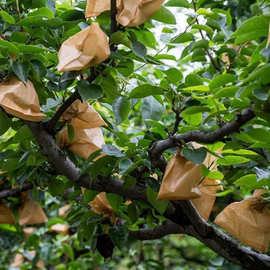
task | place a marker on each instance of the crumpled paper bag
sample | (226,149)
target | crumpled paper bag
(19,260)
(20,100)
(28,231)
(204,204)
(30,212)
(130,12)
(181,179)
(248,221)
(60,228)
(81,115)
(100,205)
(6,216)
(85,142)
(63,211)
(136,12)
(86,48)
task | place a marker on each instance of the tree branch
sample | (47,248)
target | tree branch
(198,136)
(113,16)
(14,192)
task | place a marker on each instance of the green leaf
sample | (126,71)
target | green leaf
(89,195)
(259,134)
(246,181)
(111,150)
(177,3)
(119,235)
(151,109)
(160,206)
(124,165)
(252,29)
(261,73)
(200,44)
(216,175)
(5,122)
(89,91)
(10,47)
(120,38)
(126,67)
(69,251)
(205,28)
(164,15)
(197,156)
(182,38)
(221,80)
(7,17)
(21,70)
(261,94)
(227,91)
(121,108)
(139,50)
(200,88)
(44,12)
(30,48)
(145,90)
(114,200)
(195,109)
(232,160)
(71,133)
(174,75)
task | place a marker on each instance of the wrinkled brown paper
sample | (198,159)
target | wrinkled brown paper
(204,204)
(30,212)
(248,221)
(181,179)
(20,100)
(19,260)
(63,211)
(81,115)
(6,216)
(60,228)
(86,141)
(100,205)
(130,12)
(28,231)
(86,48)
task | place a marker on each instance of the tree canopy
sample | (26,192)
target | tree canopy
(134,134)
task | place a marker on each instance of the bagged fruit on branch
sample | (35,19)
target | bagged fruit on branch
(85,142)
(60,228)
(6,216)
(81,115)
(248,221)
(129,12)
(29,256)
(30,211)
(100,205)
(86,48)
(20,100)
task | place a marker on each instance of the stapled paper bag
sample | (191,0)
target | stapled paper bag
(86,48)
(248,221)
(19,259)
(20,100)
(181,179)
(205,203)
(85,142)
(100,205)
(130,12)
(60,228)
(6,216)
(63,211)
(136,12)
(30,211)
(81,115)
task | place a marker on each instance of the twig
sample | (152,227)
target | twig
(113,16)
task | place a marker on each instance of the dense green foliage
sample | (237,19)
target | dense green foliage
(202,66)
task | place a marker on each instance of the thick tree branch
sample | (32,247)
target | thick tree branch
(197,136)
(113,16)
(160,231)
(14,192)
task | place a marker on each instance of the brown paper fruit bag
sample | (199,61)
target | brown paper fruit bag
(20,100)
(248,221)
(96,7)
(181,179)
(63,211)
(205,203)
(81,115)
(85,142)
(30,212)
(60,228)
(100,205)
(136,12)
(28,231)
(19,260)
(6,216)
(86,48)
